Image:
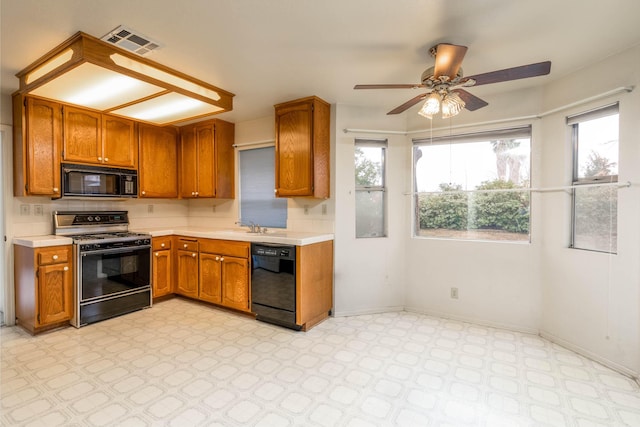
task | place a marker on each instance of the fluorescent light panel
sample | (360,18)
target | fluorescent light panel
(96,87)
(168,108)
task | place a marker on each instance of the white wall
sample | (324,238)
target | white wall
(370,273)
(591,301)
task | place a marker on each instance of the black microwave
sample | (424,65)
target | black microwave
(96,181)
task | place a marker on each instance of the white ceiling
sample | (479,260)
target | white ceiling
(270,51)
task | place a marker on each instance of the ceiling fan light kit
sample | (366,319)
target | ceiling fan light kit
(445,80)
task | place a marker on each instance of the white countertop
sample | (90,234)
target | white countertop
(272,236)
(42,241)
(276,236)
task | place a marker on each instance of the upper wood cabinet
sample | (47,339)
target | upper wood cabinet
(303,148)
(207,160)
(37,138)
(158,167)
(101,139)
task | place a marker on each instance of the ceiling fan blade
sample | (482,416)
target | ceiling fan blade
(472,102)
(448,60)
(390,86)
(522,72)
(410,103)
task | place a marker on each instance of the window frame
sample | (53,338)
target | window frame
(382,188)
(523,131)
(576,181)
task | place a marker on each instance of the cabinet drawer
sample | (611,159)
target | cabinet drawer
(159,243)
(187,245)
(54,255)
(225,247)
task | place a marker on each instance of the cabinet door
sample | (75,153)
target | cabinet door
(120,148)
(161,273)
(188,163)
(294,151)
(43,136)
(206,161)
(235,282)
(224,135)
(187,283)
(210,278)
(55,293)
(82,136)
(158,168)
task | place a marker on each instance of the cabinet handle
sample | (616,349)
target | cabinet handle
(66,268)
(144,192)
(100,158)
(193,193)
(55,257)
(221,259)
(55,189)
(217,258)
(106,159)
(197,194)
(185,245)
(193,255)
(162,245)
(275,190)
(157,254)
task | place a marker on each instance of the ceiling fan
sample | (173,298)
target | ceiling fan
(444,82)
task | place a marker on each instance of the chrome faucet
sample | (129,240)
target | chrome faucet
(253,227)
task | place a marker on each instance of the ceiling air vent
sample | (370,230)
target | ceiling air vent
(131,40)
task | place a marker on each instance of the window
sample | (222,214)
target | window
(258,203)
(595,153)
(473,186)
(370,188)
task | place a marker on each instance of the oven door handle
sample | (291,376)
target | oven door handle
(115,250)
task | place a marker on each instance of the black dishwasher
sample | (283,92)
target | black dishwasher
(273,284)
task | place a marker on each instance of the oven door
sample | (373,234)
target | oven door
(108,273)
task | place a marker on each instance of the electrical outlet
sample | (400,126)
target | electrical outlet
(324,209)
(306,209)
(149,208)
(454,293)
(37,210)
(25,210)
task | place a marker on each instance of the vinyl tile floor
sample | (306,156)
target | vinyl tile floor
(182,363)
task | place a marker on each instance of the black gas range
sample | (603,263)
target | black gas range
(112,264)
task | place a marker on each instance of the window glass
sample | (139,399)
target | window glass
(595,144)
(473,186)
(370,188)
(258,203)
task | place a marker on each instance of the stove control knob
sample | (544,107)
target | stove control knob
(98,218)
(89,218)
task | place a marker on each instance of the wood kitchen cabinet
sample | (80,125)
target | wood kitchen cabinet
(207,160)
(99,139)
(302,148)
(224,273)
(44,287)
(158,167)
(314,283)
(162,278)
(187,267)
(37,140)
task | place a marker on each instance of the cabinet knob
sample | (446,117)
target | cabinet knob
(217,258)
(55,189)
(221,259)
(275,190)
(144,192)
(185,245)
(162,245)
(157,254)
(55,257)
(193,193)
(193,255)
(100,158)
(66,268)
(106,159)
(197,194)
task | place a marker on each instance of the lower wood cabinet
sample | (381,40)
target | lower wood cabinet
(215,271)
(162,270)
(44,287)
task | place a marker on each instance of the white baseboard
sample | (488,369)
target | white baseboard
(590,355)
(377,310)
(475,321)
